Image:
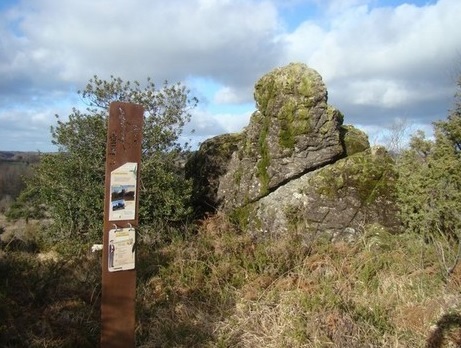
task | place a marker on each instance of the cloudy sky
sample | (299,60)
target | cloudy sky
(382,61)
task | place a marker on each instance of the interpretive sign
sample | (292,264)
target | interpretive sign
(123,158)
(121,249)
(123,192)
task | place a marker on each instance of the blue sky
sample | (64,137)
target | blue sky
(382,61)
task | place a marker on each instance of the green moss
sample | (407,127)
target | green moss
(286,138)
(354,140)
(264,161)
(265,92)
(246,150)
(306,86)
(368,175)
(329,182)
(262,173)
(286,117)
(294,121)
(301,126)
(287,87)
(238,176)
(287,111)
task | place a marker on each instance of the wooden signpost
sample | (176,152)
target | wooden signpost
(123,158)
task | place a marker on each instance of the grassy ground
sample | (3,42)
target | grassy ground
(218,287)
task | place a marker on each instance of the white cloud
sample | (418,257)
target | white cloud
(382,41)
(206,124)
(229,95)
(167,39)
(48,46)
(378,62)
(378,92)
(383,56)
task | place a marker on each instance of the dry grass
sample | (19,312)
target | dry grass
(217,287)
(383,291)
(46,299)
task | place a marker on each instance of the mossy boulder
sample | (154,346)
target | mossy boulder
(206,166)
(292,132)
(354,140)
(338,199)
(295,166)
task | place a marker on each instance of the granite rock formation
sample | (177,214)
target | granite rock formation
(295,166)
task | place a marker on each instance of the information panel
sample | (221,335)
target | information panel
(121,249)
(123,181)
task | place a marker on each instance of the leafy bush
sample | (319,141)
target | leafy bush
(429,186)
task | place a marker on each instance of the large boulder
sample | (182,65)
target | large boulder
(338,200)
(205,168)
(293,132)
(295,166)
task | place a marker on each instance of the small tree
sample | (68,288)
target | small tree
(69,184)
(395,135)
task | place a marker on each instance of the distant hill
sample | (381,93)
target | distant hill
(19,156)
(7,155)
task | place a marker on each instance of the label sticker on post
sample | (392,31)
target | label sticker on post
(122,249)
(123,182)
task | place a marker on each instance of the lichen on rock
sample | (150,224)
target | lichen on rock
(336,199)
(354,140)
(292,132)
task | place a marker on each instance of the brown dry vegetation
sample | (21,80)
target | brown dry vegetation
(217,287)
(220,289)
(14,167)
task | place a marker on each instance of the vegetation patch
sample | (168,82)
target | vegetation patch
(240,216)
(214,285)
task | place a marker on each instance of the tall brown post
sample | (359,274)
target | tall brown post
(124,138)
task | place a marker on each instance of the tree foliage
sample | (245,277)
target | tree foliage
(430,179)
(69,184)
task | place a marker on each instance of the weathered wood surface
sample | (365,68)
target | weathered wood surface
(118,317)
